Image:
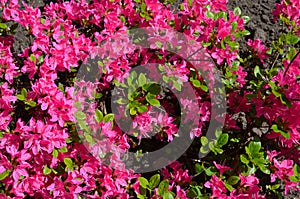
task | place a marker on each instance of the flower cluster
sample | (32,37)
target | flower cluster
(59,139)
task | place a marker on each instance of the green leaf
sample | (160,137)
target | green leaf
(234,25)
(122,18)
(257,71)
(161,67)
(246,19)
(41,59)
(31,103)
(80,115)
(206,44)
(159,44)
(168,195)
(204,140)
(294,179)
(69,163)
(3,26)
(223,139)
(154,102)
(61,26)
(98,95)
(275,186)
(209,14)
(203,150)
(143,6)
(291,54)
(277,130)
(163,187)
(154,181)
(245,32)
(196,83)
(222,14)
(4,174)
(142,80)
(251,170)
(154,89)
(43,20)
(244,159)
(55,153)
(177,85)
(228,186)
(232,180)
(140,196)
(237,11)
(204,88)
(83,125)
(122,101)
(209,171)
(297,170)
(109,118)
(198,168)
(88,138)
(264,169)
(20,97)
(63,150)
(98,115)
(24,92)
(142,109)
(32,58)
(253,148)
(292,39)
(233,45)
(46,170)
(235,65)
(166,78)
(143,182)
(132,111)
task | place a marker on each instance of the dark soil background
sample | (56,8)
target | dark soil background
(261,25)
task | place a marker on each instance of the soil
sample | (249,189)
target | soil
(261,23)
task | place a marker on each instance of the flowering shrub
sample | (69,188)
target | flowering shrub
(50,141)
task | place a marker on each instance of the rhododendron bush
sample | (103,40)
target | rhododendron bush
(147,99)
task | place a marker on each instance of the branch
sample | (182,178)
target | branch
(288,67)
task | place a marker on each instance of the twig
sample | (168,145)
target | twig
(288,67)
(194,53)
(275,60)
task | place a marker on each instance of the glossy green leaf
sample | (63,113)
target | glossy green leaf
(232,180)
(143,182)
(98,115)
(168,195)
(223,139)
(80,115)
(46,170)
(163,187)
(4,174)
(154,181)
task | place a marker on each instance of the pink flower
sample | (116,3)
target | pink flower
(218,187)
(259,48)
(283,170)
(222,168)
(224,29)
(251,184)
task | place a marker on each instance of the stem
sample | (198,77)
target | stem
(288,67)
(275,60)
(194,53)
